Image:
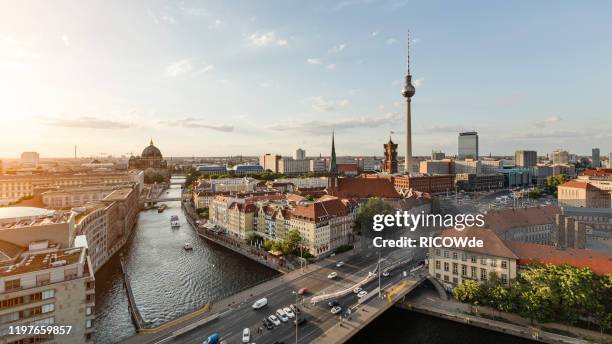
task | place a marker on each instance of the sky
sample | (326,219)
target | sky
(216,78)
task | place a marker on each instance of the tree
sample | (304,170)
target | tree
(468,291)
(536,193)
(553,181)
(291,243)
(267,245)
(365,217)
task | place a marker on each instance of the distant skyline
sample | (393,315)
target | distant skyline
(205,78)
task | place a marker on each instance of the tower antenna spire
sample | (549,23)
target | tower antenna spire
(408,55)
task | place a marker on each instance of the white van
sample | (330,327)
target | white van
(260,303)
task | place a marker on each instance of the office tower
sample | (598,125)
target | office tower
(595,162)
(437,155)
(523,158)
(408,92)
(390,165)
(560,156)
(300,154)
(468,145)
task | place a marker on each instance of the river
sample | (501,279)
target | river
(168,281)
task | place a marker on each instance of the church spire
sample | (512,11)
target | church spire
(151,143)
(332,164)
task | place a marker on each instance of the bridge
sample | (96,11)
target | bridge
(230,316)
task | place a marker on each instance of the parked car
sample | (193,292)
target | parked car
(267,323)
(289,312)
(302,291)
(333,303)
(281,315)
(357,290)
(295,309)
(332,275)
(386,274)
(336,310)
(273,319)
(362,294)
(260,303)
(246,335)
(339,264)
(212,339)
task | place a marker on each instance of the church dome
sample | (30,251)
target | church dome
(151,152)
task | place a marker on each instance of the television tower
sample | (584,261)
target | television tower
(408,92)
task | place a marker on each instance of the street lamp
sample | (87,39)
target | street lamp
(297,314)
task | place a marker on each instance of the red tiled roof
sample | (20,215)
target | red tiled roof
(600,172)
(599,262)
(492,244)
(343,168)
(499,221)
(366,188)
(321,211)
(579,185)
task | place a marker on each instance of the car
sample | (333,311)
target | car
(267,323)
(332,275)
(289,312)
(386,274)
(302,291)
(300,321)
(362,294)
(295,309)
(260,303)
(357,290)
(281,315)
(339,264)
(336,310)
(212,339)
(246,335)
(273,319)
(333,303)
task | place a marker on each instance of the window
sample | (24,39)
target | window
(483,274)
(483,261)
(88,324)
(474,272)
(438,276)
(445,266)
(474,259)
(438,252)
(48,308)
(464,257)
(463,270)
(88,310)
(454,255)
(446,254)
(446,278)
(504,264)
(504,279)
(47,294)
(437,265)
(455,268)
(12,284)
(493,262)
(455,280)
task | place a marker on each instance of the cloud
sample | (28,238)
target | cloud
(88,122)
(314,61)
(418,82)
(161,18)
(266,39)
(322,104)
(66,40)
(391,41)
(337,48)
(206,68)
(168,19)
(191,122)
(326,127)
(215,24)
(331,66)
(438,129)
(546,122)
(179,68)
(374,33)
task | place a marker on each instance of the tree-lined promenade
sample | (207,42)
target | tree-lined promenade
(547,293)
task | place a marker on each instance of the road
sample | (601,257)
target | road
(318,317)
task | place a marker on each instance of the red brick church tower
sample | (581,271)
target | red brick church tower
(390,157)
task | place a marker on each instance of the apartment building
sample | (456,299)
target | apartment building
(245,184)
(76,196)
(452,266)
(289,166)
(435,167)
(533,224)
(582,193)
(14,187)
